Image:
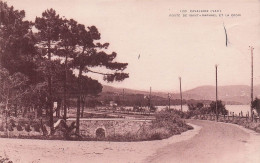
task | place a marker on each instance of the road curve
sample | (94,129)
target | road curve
(215,143)
(208,142)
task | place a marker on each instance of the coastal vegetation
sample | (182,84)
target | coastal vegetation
(45,69)
(38,60)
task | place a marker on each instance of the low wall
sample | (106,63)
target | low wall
(111,127)
(88,127)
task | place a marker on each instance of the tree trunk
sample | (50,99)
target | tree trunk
(6,114)
(24,110)
(50,102)
(39,111)
(83,106)
(15,110)
(58,108)
(78,100)
(65,89)
(36,112)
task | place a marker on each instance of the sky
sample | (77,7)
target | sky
(169,47)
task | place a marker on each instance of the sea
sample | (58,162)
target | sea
(231,108)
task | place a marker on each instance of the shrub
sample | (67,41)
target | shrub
(156,136)
(221,107)
(12,122)
(171,121)
(189,127)
(256,105)
(10,128)
(22,122)
(27,128)
(2,128)
(5,160)
(19,127)
(36,127)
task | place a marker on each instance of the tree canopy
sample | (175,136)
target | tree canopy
(54,62)
(256,105)
(220,109)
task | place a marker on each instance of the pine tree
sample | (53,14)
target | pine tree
(49,31)
(90,54)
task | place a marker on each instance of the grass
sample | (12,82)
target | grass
(165,125)
(247,123)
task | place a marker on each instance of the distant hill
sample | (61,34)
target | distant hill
(233,94)
(120,90)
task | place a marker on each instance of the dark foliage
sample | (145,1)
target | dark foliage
(221,108)
(19,128)
(5,160)
(256,105)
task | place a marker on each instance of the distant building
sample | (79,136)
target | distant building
(112,103)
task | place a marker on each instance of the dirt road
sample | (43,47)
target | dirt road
(49,151)
(215,143)
(208,142)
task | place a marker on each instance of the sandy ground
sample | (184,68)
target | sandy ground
(48,151)
(216,143)
(208,142)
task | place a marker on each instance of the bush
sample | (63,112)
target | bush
(189,127)
(2,128)
(36,127)
(10,128)
(171,121)
(156,136)
(221,107)
(256,105)
(27,128)
(22,122)
(12,122)
(166,116)
(19,127)
(5,160)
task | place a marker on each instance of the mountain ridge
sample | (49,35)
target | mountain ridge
(228,93)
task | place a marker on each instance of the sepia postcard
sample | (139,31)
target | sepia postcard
(129,81)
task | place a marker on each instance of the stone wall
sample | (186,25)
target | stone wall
(89,127)
(112,127)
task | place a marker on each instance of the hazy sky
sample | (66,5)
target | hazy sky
(169,47)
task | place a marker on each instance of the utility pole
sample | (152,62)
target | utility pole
(216,91)
(123,97)
(150,98)
(169,98)
(180,92)
(252,80)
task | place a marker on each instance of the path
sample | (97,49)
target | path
(216,143)
(209,142)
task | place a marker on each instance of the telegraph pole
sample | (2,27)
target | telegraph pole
(123,97)
(169,100)
(150,98)
(216,91)
(252,80)
(180,92)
